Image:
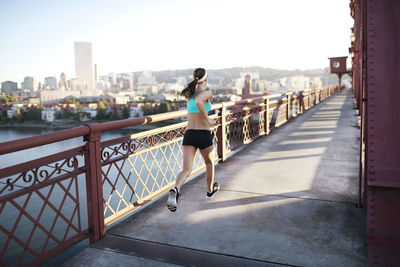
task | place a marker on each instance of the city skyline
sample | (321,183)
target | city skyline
(159,35)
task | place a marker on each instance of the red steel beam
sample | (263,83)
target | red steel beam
(377,24)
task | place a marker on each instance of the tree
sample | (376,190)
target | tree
(77,115)
(125,112)
(114,115)
(164,107)
(173,106)
(147,110)
(66,114)
(4,117)
(34,114)
(20,115)
(7,99)
(78,106)
(101,111)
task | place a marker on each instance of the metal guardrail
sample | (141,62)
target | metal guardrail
(51,203)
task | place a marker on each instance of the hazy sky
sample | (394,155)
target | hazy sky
(37,36)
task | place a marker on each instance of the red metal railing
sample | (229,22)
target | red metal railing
(51,203)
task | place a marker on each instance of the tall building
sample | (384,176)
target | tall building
(63,81)
(95,73)
(247,85)
(50,83)
(30,84)
(76,84)
(8,87)
(84,65)
(146,78)
(125,81)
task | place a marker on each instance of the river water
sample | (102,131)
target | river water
(9,214)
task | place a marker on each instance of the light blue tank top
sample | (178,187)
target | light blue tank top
(192,107)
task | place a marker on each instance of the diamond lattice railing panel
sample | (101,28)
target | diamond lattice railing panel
(261,122)
(255,127)
(138,142)
(141,174)
(270,116)
(282,114)
(294,108)
(234,135)
(149,169)
(215,140)
(240,127)
(307,102)
(277,114)
(40,220)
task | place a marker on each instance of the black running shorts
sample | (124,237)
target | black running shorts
(198,138)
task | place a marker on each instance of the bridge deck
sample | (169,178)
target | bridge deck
(288,198)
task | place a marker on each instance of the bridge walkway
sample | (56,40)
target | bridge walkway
(287,199)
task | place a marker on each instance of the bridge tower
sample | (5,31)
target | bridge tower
(338,67)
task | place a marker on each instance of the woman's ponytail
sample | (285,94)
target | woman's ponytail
(191,87)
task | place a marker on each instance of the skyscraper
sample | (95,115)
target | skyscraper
(63,81)
(84,66)
(95,73)
(50,82)
(30,84)
(8,87)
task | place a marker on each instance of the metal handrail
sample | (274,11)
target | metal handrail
(48,138)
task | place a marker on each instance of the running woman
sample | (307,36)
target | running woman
(197,136)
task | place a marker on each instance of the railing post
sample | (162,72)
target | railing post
(288,106)
(94,186)
(316,100)
(221,135)
(301,103)
(266,122)
(319,95)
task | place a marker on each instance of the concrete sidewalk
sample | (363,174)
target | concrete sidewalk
(287,199)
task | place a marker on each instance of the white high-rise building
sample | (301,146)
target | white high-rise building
(30,84)
(84,66)
(50,83)
(8,87)
(63,84)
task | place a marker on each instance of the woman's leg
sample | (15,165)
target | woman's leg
(188,157)
(208,155)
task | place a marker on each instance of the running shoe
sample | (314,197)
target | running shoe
(215,189)
(172,202)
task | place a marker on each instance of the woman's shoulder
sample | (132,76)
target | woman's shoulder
(203,93)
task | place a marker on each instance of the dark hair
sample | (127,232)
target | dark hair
(191,87)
